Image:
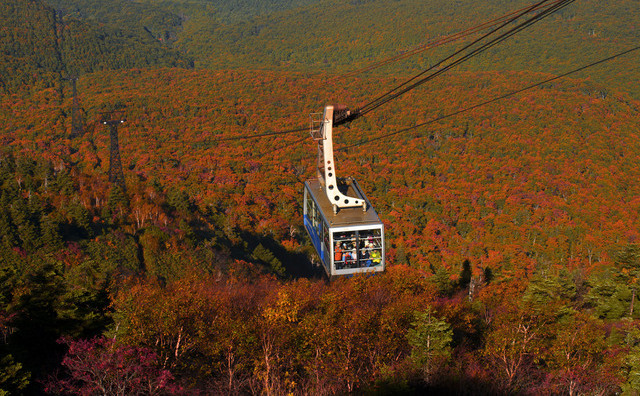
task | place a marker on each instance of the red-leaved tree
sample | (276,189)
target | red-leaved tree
(99,366)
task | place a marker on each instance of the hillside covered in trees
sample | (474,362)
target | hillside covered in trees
(338,36)
(512,228)
(38,47)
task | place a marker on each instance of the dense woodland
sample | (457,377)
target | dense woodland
(512,229)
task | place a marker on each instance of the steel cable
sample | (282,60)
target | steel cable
(491,100)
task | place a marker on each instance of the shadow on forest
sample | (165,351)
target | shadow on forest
(270,253)
(444,385)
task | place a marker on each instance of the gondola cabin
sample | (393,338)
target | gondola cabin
(342,224)
(348,242)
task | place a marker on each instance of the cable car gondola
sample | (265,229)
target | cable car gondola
(342,224)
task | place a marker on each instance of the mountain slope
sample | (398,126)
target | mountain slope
(29,53)
(335,36)
(341,36)
(37,47)
(546,177)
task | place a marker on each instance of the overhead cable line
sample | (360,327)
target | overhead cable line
(455,113)
(510,17)
(490,101)
(433,44)
(263,154)
(272,133)
(399,90)
(390,95)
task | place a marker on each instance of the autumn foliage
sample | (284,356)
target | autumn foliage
(512,229)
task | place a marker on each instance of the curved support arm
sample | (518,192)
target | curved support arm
(327,169)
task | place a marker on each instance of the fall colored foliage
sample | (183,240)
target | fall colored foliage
(512,229)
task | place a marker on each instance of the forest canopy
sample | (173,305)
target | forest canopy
(38,47)
(512,227)
(336,36)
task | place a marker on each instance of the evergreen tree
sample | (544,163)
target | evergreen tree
(265,255)
(614,290)
(430,340)
(13,377)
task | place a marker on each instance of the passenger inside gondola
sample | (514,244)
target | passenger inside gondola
(348,259)
(357,249)
(365,261)
(338,253)
(376,256)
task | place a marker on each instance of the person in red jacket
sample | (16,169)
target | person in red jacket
(338,253)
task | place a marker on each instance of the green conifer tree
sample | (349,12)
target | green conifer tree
(430,340)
